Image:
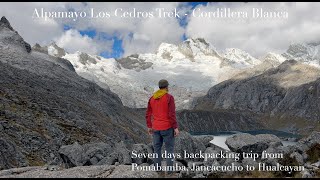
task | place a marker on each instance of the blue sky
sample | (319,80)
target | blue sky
(136,36)
(117,49)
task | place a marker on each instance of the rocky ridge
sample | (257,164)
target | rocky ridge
(285,97)
(45,104)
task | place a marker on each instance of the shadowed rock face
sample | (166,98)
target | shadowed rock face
(198,121)
(249,143)
(287,97)
(201,44)
(53,49)
(38,48)
(133,62)
(44,105)
(4,23)
(86,59)
(56,59)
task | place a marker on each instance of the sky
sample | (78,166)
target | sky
(116,37)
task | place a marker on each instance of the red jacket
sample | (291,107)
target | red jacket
(163,112)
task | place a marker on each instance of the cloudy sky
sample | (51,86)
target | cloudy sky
(118,37)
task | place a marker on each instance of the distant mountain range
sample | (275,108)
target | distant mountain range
(251,87)
(191,67)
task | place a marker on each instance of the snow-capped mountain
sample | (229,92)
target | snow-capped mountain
(239,58)
(52,49)
(308,53)
(274,59)
(191,68)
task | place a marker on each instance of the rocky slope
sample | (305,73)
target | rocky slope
(285,97)
(204,121)
(45,104)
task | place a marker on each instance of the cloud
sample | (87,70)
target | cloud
(139,35)
(258,36)
(73,41)
(33,31)
(144,35)
(150,33)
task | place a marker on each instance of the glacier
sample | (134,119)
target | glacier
(191,67)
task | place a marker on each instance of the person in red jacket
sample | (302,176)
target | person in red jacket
(161,122)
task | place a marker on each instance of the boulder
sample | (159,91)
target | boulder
(141,149)
(316,165)
(87,154)
(313,138)
(298,157)
(97,151)
(270,162)
(250,162)
(306,174)
(285,149)
(73,155)
(204,139)
(185,142)
(305,143)
(93,161)
(123,154)
(109,160)
(249,143)
(209,161)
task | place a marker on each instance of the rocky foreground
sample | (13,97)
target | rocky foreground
(83,160)
(103,171)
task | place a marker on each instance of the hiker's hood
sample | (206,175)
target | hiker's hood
(158,94)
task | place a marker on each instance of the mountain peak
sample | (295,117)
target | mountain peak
(308,53)
(11,37)
(55,50)
(239,57)
(198,40)
(5,23)
(39,48)
(53,43)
